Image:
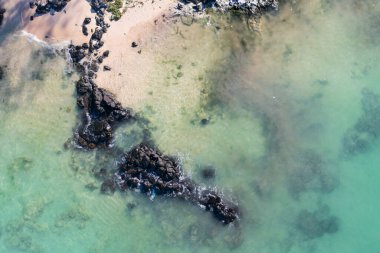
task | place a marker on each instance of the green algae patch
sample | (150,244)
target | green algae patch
(114,7)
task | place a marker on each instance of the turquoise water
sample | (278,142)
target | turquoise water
(294,110)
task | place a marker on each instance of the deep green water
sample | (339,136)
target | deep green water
(294,115)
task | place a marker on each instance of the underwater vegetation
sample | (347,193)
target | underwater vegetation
(360,138)
(316,223)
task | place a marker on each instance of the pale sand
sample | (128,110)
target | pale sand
(130,69)
(62,26)
(141,20)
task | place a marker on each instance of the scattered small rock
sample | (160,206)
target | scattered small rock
(106,53)
(87,21)
(134,44)
(106,68)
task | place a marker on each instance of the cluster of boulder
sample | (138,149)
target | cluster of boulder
(2,12)
(100,110)
(144,168)
(100,113)
(49,6)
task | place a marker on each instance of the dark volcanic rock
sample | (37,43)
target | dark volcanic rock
(50,6)
(106,53)
(84,30)
(146,169)
(98,6)
(134,44)
(77,53)
(2,12)
(101,112)
(107,68)
(87,21)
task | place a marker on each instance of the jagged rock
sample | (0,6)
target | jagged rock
(97,35)
(134,44)
(50,6)
(146,169)
(98,6)
(77,53)
(94,67)
(85,46)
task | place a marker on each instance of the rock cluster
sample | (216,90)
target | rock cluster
(2,12)
(146,169)
(252,7)
(101,111)
(50,6)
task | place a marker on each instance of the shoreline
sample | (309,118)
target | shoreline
(145,169)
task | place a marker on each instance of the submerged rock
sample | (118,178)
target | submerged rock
(208,172)
(146,169)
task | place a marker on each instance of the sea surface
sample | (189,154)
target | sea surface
(286,109)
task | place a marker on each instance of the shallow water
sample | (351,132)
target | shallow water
(293,114)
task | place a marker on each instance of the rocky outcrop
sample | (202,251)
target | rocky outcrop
(49,6)
(144,168)
(251,7)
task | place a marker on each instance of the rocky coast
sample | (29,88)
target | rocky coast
(143,168)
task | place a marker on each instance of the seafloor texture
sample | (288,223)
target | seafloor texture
(283,117)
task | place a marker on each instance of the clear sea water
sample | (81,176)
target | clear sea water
(293,104)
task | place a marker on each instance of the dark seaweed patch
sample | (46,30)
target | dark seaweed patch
(359,139)
(317,223)
(310,173)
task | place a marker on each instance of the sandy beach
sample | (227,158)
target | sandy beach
(138,23)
